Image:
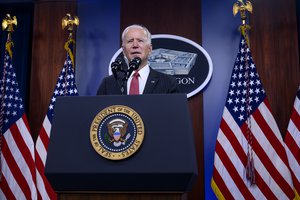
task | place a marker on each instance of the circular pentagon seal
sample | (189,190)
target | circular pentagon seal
(117,132)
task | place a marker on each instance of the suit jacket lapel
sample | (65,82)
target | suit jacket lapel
(151,82)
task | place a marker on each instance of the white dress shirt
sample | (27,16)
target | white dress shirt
(143,75)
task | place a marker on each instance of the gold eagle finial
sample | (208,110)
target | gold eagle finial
(242,7)
(8,23)
(69,21)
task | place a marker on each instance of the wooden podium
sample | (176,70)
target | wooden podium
(164,167)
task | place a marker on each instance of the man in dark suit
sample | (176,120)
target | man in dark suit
(136,42)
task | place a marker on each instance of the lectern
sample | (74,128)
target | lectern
(163,167)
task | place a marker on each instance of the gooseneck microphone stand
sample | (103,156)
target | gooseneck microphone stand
(123,75)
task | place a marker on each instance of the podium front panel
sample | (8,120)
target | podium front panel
(166,160)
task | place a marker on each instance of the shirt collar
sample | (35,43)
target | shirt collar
(143,72)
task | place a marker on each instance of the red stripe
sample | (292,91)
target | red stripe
(233,141)
(221,185)
(15,170)
(270,135)
(28,157)
(233,172)
(242,156)
(293,146)
(295,118)
(24,117)
(44,138)
(296,183)
(48,188)
(39,197)
(260,152)
(6,190)
(264,188)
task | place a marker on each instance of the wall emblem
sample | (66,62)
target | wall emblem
(180,57)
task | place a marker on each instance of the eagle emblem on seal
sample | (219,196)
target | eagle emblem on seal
(117,132)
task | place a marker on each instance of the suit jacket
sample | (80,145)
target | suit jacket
(157,83)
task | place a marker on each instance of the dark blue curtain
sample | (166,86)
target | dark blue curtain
(22,38)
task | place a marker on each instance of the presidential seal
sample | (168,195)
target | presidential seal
(117,132)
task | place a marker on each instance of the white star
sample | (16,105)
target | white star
(232,84)
(249,108)
(241,117)
(257,90)
(251,82)
(242,109)
(237,100)
(234,76)
(235,109)
(243,100)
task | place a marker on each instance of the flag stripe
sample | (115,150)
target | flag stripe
(294,149)
(224,192)
(43,185)
(241,152)
(231,187)
(26,144)
(6,192)
(292,141)
(231,169)
(294,165)
(295,116)
(267,163)
(42,144)
(16,178)
(268,125)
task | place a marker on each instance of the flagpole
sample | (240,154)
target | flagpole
(8,25)
(242,7)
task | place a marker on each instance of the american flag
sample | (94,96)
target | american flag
(250,160)
(17,146)
(292,141)
(65,86)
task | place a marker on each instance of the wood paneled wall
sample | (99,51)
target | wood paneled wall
(273,38)
(181,18)
(274,47)
(48,56)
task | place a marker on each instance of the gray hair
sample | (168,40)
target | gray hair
(148,34)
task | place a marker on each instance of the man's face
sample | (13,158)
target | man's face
(135,44)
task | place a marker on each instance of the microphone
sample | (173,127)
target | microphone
(116,66)
(133,65)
